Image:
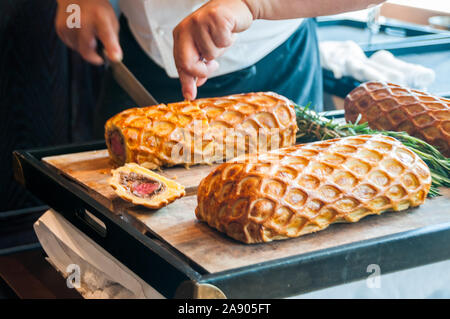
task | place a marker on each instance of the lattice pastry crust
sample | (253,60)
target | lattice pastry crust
(304,188)
(387,106)
(195,132)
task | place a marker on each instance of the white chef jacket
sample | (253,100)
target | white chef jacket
(152,23)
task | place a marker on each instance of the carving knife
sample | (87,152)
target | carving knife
(130,83)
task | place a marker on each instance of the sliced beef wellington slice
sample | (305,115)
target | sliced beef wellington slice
(141,186)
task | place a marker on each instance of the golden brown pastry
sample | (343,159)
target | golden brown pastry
(141,186)
(304,188)
(387,106)
(194,132)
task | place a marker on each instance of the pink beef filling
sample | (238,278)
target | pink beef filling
(144,189)
(140,186)
(117,147)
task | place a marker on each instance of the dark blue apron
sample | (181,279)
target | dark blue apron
(293,70)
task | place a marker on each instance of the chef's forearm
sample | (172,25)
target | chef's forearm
(290,9)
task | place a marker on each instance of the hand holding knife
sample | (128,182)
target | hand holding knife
(128,81)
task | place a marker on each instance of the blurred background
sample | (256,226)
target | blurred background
(48,93)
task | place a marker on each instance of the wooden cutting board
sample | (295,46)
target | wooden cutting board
(93,169)
(176,224)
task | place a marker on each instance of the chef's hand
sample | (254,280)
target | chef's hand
(203,36)
(98,21)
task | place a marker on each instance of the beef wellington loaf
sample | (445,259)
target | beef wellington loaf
(304,188)
(387,106)
(201,131)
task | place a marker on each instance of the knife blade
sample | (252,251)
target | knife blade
(130,83)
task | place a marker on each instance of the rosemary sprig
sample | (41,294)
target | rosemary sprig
(313,127)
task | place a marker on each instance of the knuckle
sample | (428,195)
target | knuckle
(214,14)
(104,18)
(185,66)
(176,32)
(193,70)
(196,19)
(223,41)
(209,55)
(222,23)
(201,73)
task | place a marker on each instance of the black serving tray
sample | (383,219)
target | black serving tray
(432,53)
(168,271)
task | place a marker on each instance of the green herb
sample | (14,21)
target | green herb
(313,127)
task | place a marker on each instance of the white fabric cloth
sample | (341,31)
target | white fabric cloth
(417,76)
(346,58)
(152,23)
(103,276)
